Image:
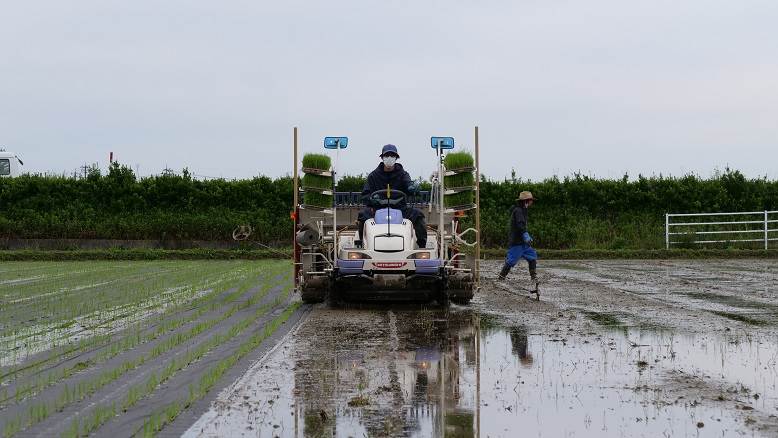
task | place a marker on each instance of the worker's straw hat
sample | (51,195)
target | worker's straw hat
(525,196)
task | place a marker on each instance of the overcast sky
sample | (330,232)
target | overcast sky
(602,87)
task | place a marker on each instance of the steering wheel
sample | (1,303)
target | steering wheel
(390,201)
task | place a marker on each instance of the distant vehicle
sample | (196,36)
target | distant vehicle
(10,164)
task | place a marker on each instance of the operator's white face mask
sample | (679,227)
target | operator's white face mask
(389,161)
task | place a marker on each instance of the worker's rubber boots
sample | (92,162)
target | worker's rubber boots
(533,273)
(506,268)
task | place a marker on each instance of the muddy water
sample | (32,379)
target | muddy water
(462,372)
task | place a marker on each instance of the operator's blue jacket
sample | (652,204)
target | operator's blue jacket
(397,179)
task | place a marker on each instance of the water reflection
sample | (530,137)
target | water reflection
(408,383)
(411,373)
(519,344)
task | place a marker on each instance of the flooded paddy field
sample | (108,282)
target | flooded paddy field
(612,349)
(123,348)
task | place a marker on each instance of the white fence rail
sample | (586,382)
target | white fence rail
(736,229)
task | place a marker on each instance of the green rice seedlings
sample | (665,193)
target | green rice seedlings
(464,179)
(12,427)
(317,181)
(462,163)
(314,183)
(460,199)
(317,199)
(158,420)
(458,160)
(316,161)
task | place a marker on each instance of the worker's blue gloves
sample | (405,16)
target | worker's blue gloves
(526,237)
(413,188)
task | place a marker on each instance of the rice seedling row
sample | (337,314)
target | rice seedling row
(20,388)
(163,416)
(107,315)
(160,408)
(197,307)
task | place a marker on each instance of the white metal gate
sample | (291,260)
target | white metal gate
(744,228)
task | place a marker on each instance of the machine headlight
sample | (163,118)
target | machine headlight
(357,256)
(420,255)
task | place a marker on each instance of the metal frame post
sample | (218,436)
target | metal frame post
(296,189)
(667,231)
(765,230)
(294,172)
(334,201)
(441,191)
(477,266)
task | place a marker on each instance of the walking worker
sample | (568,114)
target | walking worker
(520,239)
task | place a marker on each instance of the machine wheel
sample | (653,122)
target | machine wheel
(460,288)
(312,296)
(315,290)
(462,298)
(334,295)
(442,296)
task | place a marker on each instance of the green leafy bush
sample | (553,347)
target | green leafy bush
(576,212)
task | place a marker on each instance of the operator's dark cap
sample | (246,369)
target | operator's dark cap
(389,148)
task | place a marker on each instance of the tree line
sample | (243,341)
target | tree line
(577,211)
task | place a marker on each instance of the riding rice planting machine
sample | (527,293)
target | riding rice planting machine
(330,263)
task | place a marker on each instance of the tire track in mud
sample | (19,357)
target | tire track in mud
(651,293)
(62,420)
(678,341)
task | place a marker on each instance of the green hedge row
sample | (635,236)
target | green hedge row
(574,212)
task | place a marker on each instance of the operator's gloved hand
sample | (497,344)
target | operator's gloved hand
(375,199)
(413,188)
(526,237)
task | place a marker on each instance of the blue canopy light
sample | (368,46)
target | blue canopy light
(335,142)
(443,142)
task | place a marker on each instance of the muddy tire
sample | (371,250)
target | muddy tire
(335,296)
(462,299)
(311,296)
(442,297)
(460,288)
(315,290)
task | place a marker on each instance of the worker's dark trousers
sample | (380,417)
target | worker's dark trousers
(413,214)
(533,265)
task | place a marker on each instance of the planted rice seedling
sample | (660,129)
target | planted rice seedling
(139,317)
